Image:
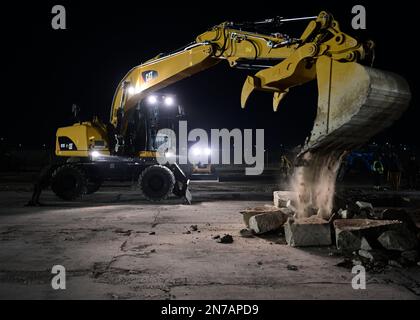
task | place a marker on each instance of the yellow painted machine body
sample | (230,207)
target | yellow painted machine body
(81,139)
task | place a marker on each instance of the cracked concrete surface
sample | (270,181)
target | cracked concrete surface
(114,245)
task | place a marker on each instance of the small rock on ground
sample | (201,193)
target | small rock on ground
(227,238)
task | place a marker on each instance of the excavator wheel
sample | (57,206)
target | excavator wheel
(156,182)
(69,182)
(93,185)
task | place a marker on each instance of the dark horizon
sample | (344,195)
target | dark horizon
(84,64)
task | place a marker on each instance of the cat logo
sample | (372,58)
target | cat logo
(149,75)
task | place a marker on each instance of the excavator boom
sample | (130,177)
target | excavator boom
(323,53)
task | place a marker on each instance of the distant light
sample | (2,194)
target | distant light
(152,99)
(95,154)
(169,101)
(169,155)
(207,151)
(196,151)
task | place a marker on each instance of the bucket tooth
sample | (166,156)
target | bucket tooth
(277,98)
(250,84)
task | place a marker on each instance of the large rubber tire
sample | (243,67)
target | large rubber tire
(69,182)
(93,186)
(156,182)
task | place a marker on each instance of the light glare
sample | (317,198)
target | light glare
(169,101)
(152,99)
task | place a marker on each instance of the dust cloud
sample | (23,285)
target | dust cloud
(314,183)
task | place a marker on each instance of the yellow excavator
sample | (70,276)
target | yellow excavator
(355,101)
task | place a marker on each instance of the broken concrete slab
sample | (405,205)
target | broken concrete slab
(250,212)
(265,222)
(349,232)
(304,232)
(398,240)
(280,198)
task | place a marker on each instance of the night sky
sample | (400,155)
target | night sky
(47,70)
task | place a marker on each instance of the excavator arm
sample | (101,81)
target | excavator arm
(243,49)
(292,61)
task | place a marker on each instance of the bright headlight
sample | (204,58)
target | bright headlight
(169,101)
(207,151)
(152,99)
(95,154)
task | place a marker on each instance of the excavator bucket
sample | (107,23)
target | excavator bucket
(355,102)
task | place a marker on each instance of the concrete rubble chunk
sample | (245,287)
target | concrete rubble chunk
(249,212)
(290,206)
(350,232)
(364,244)
(344,214)
(365,208)
(372,255)
(269,221)
(366,254)
(397,240)
(304,232)
(280,198)
(347,241)
(363,205)
(227,238)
